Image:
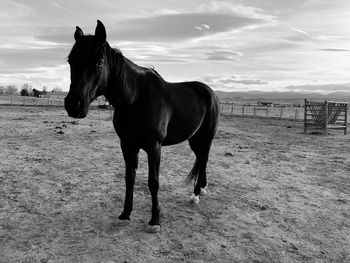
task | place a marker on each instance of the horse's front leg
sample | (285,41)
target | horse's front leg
(153,185)
(130,154)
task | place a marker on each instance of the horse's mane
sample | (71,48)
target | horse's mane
(117,50)
(119,53)
(155,71)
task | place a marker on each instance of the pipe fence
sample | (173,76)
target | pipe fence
(226,108)
(285,112)
(33,101)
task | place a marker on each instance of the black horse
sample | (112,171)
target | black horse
(149,112)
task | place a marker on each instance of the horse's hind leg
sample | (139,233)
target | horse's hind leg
(200,145)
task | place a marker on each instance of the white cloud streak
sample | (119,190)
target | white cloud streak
(300,31)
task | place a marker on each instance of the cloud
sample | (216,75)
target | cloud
(251,82)
(333,37)
(26,60)
(58,6)
(54,34)
(160,28)
(222,55)
(300,31)
(13,9)
(236,80)
(233,8)
(324,88)
(178,27)
(233,82)
(334,49)
(299,35)
(186,53)
(203,27)
(38,77)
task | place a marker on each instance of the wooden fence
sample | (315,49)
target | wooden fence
(325,115)
(228,108)
(33,101)
(29,101)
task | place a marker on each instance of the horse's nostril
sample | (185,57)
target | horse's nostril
(72,106)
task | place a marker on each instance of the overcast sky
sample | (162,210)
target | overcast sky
(266,45)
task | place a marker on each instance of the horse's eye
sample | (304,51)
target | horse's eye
(99,64)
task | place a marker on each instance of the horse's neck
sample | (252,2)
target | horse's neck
(121,88)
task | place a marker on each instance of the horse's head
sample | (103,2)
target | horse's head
(88,70)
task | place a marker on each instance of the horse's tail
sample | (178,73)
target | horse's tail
(193,175)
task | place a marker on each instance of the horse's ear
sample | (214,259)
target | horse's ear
(100,32)
(78,33)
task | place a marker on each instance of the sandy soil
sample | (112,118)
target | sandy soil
(275,194)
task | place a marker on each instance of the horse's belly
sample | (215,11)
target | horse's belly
(172,140)
(181,132)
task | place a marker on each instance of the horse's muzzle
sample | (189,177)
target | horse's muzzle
(75,108)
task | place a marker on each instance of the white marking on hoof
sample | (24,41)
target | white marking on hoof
(153,229)
(194,199)
(123,222)
(203,191)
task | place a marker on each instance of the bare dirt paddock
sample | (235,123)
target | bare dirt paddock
(275,194)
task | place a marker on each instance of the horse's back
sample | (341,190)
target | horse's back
(199,94)
(195,93)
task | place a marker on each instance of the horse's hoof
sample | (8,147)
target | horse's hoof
(153,229)
(194,199)
(121,222)
(203,191)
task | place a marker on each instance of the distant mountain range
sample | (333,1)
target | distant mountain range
(280,97)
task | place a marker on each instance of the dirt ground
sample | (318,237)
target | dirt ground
(274,194)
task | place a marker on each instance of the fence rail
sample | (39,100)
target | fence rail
(227,108)
(32,101)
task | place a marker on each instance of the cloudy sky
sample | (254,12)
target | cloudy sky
(269,45)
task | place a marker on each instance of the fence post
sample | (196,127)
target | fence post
(305,114)
(296,113)
(231,108)
(326,117)
(254,111)
(281,113)
(267,112)
(243,110)
(346,119)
